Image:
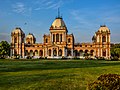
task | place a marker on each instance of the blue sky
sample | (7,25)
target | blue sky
(82,17)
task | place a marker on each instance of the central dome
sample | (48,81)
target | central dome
(58,24)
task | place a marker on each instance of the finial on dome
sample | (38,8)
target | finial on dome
(59,14)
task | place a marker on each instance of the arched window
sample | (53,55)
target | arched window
(15,39)
(60,52)
(60,37)
(69,40)
(103,39)
(104,53)
(53,37)
(57,37)
(55,52)
(41,53)
(49,52)
(46,40)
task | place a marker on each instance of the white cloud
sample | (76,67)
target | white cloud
(51,4)
(18,7)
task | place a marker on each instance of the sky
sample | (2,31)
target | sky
(82,17)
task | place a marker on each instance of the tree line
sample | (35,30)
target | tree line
(115,51)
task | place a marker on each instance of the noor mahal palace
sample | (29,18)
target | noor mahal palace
(58,43)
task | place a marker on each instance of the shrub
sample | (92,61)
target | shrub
(115,58)
(106,82)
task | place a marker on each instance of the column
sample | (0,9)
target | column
(55,37)
(98,38)
(64,52)
(106,53)
(109,38)
(11,52)
(98,53)
(71,52)
(101,53)
(57,52)
(52,52)
(106,38)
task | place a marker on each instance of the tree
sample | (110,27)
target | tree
(4,49)
(115,51)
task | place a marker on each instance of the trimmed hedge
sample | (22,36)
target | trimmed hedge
(106,82)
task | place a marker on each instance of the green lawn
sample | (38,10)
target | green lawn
(53,74)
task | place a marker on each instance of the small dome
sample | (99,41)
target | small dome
(17,30)
(103,28)
(58,24)
(30,35)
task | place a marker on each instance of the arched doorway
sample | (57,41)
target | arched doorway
(36,52)
(26,52)
(86,54)
(55,52)
(69,52)
(75,52)
(91,52)
(60,52)
(31,52)
(49,52)
(81,52)
(41,53)
(104,53)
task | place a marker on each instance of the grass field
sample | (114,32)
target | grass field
(53,74)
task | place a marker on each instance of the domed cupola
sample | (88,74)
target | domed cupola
(30,39)
(58,23)
(103,28)
(17,30)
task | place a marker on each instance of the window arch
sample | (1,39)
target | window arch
(57,37)
(103,39)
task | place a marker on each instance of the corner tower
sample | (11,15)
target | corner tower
(17,42)
(102,41)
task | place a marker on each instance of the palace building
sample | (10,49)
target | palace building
(58,43)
